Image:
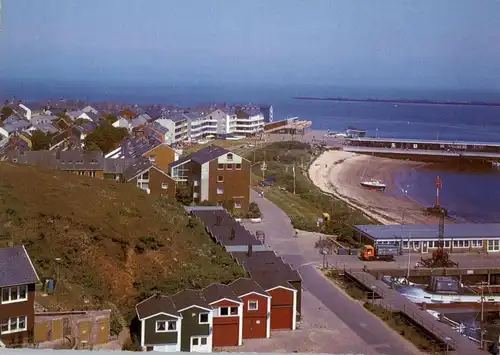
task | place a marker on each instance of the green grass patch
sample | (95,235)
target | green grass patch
(116,244)
(309,202)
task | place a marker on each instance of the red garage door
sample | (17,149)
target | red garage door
(281,317)
(225,334)
(254,327)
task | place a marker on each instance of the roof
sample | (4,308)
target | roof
(155,126)
(270,280)
(45,158)
(80,160)
(245,285)
(118,166)
(217,292)
(202,156)
(137,167)
(430,231)
(266,262)
(154,305)
(16,267)
(189,298)
(133,147)
(176,116)
(14,123)
(224,229)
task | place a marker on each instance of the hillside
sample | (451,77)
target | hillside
(116,243)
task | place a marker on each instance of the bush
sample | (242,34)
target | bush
(253,210)
(131,345)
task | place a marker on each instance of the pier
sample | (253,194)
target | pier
(424,150)
(391,299)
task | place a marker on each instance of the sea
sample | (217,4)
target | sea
(469,195)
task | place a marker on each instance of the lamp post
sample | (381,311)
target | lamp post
(447,341)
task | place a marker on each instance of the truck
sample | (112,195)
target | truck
(379,252)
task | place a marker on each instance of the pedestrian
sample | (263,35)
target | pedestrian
(296,233)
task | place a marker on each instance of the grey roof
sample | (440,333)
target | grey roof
(133,147)
(140,165)
(176,116)
(156,127)
(217,292)
(247,110)
(40,119)
(202,156)
(16,267)
(430,231)
(190,298)
(94,117)
(14,123)
(45,158)
(139,120)
(118,166)
(245,285)
(45,127)
(270,280)
(224,229)
(154,305)
(80,160)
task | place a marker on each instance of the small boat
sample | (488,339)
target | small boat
(495,164)
(373,184)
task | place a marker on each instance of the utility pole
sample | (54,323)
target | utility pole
(293,169)
(482,315)
(409,258)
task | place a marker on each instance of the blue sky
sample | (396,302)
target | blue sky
(395,43)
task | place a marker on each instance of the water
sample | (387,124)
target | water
(469,195)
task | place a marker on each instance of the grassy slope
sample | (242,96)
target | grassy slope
(116,243)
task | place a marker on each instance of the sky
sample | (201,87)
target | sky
(393,43)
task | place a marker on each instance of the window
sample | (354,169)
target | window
(446,243)
(145,176)
(229,156)
(228,311)
(229,166)
(203,341)
(220,167)
(455,244)
(466,243)
(15,294)
(14,324)
(405,245)
(203,318)
(237,204)
(195,341)
(92,174)
(152,158)
(220,178)
(479,243)
(238,166)
(164,185)
(166,326)
(220,191)
(253,305)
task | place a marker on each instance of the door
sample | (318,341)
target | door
(425,247)
(57,329)
(254,328)
(281,317)
(103,331)
(200,344)
(226,334)
(41,332)
(84,331)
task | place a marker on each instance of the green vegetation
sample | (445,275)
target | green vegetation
(105,137)
(116,244)
(308,203)
(253,210)
(110,118)
(41,140)
(5,112)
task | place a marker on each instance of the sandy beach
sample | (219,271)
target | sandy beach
(340,173)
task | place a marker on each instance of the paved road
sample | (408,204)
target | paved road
(279,235)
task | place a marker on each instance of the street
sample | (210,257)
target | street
(377,338)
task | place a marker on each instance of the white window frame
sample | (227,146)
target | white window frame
(253,302)
(198,338)
(220,191)
(152,158)
(17,329)
(18,299)
(164,185)
(219,313)
(220,178)
(229,156)
(237,204)
(236,166)
(208,318)
(167,330)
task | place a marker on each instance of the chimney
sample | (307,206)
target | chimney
(233,234)
(250,249)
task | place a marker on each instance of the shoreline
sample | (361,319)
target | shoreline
(339,173)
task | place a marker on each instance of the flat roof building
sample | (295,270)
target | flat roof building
(459,237)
